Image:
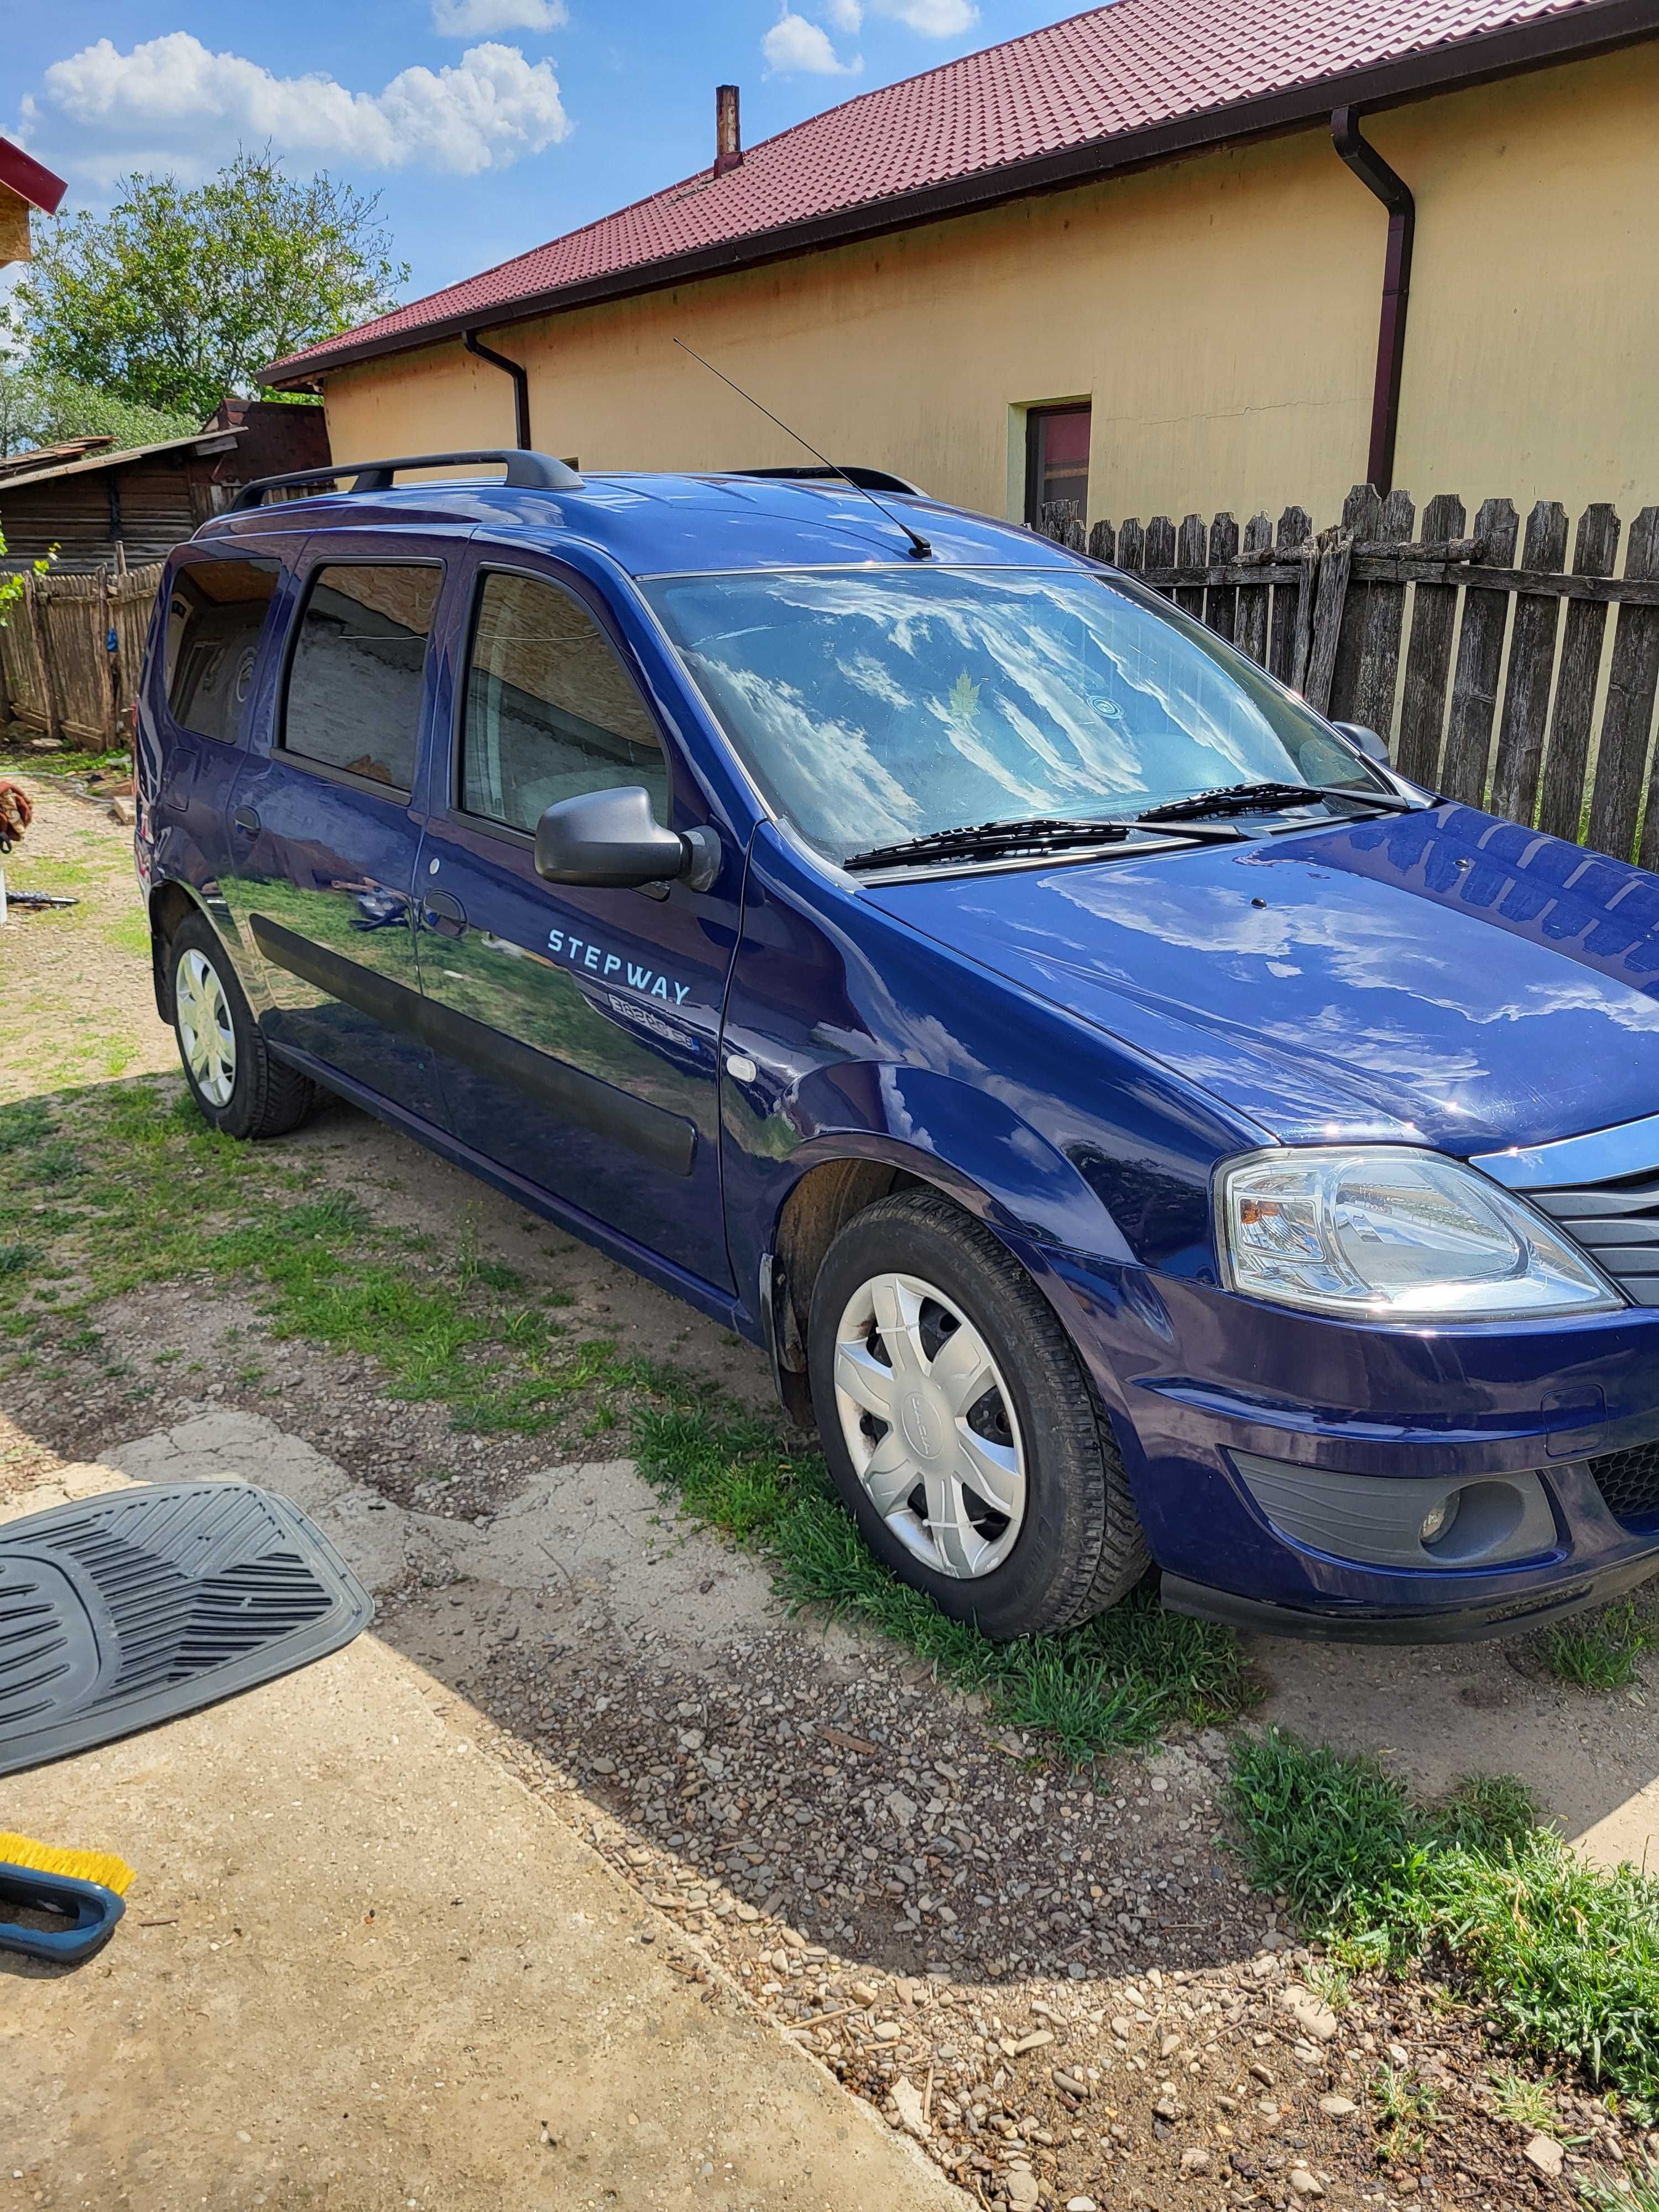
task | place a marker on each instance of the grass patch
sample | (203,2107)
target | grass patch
(1601,1651)
(1623,2192)
(1405,2110)
(1120,1679)
(1524,2104)
(1563,1955)
(168,1199)
(68,760)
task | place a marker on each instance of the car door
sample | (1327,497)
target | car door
(578,1029)
(326,821)
(215,627)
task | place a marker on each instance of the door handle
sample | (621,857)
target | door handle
(440,909)
(245,818)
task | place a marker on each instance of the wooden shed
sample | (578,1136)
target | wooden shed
(104,507)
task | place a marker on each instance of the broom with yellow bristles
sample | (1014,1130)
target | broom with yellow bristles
(102,1867)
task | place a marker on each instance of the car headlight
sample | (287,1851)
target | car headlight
(1384,1233)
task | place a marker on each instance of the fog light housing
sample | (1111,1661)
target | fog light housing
(1439,1518)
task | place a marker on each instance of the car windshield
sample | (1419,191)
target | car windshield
(873,706)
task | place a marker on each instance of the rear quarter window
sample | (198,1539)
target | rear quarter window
(215,617)
(355,679)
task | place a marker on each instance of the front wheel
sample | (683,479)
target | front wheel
(960,1427)
(231,1076)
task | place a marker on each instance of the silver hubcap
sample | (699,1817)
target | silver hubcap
(930,1425)
(205,1029)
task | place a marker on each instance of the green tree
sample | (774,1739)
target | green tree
(181,294)
(44,410)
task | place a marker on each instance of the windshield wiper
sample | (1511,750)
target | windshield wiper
(989,840)
(984,840)
(1268,798)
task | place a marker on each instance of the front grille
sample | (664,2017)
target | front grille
(1618,1224)
(1629,1482)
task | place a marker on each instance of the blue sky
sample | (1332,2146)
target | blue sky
(486,125)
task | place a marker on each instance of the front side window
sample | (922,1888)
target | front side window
(216,618)
(551,710)
(876,707)
(355,682)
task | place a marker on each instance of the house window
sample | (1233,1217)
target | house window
(1056,461)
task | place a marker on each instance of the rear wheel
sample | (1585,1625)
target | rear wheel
(960,1427)
(232,1075)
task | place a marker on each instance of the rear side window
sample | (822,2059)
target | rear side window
(355,683)
(215,614)
(551,710)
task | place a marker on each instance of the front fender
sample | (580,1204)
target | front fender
(849,1034)
(963,1139)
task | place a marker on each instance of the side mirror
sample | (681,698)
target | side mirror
(1373,747)
(612,837)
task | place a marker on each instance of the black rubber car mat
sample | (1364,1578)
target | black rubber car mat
(123,1610)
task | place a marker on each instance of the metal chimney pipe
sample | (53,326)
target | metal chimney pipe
(728,132)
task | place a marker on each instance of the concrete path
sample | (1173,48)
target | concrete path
(362,1968)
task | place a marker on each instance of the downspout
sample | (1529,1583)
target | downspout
(520,377)
(1374,172)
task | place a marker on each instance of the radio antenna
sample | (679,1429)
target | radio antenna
(920,548)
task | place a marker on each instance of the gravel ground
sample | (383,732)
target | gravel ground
(1064,1990)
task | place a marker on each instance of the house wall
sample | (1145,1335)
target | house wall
(1220,313)
(13,227)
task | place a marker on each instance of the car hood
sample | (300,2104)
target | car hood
(1438,977)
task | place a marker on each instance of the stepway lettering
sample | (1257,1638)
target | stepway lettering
(582,952)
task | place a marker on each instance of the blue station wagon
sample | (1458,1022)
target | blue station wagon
(1144,1131)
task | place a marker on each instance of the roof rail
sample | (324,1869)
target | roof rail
(865,479)
(525,471)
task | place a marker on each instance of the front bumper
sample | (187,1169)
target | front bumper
(1203,1386)
(1467,1624)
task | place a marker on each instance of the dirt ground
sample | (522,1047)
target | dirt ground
(1063,1992)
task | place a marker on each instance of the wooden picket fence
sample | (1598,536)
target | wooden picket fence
(1514,691)
(59,673)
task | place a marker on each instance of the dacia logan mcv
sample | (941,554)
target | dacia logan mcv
(1141,1128)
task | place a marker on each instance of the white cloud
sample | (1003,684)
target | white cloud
(845,15)
(171,101)
(933,19)
(481,19)
(795,45)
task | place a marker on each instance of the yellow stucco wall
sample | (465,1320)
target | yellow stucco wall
(1220,312)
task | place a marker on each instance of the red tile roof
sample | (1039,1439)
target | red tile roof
(1005,116)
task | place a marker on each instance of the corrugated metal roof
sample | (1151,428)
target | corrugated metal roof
(1111,74)
(22,173)
(204,442)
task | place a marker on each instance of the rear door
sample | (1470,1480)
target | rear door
(325,820)
(215,638)
(578,1029)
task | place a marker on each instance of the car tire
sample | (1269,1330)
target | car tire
(1075,1546)
(238,1086)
